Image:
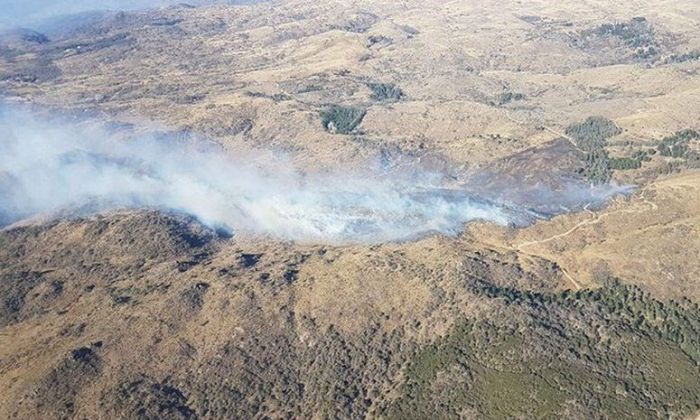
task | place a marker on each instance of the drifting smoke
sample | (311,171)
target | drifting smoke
(50,166)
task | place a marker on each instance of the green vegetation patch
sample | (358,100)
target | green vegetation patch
(597,167)
(593,133)
(386,92)
(341,119)
(632,162)
(612,352)
(624,163)
(508,97)
(591,136)
(637,34)
(683,58)
(677,145)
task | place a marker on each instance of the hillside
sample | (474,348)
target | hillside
(135,315)
(579,117)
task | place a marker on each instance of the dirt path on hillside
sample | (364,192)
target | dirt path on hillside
(595,218)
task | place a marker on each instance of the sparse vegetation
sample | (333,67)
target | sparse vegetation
(386,92)
(341,119)
(644,155)
(37,70)
(614,351)
(624,163)
(508,97)
(678,145)
(411,31)
(277,97)
(683,58)
(378,40)
(359,23)
(611,352)
(637,34)
(633,162)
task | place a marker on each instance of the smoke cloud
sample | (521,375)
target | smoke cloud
(55,166)
(49,166)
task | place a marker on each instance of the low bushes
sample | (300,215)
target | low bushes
(341,119)
(384,92)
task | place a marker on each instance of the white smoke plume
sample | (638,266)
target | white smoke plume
(47,166)
(55,165)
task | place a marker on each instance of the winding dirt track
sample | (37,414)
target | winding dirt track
(595,218)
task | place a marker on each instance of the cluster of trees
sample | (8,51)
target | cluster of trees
(591,137)
(637,34)
(632,162)
(507,97)
(342,119)
(386,92)
(682,58)
(676,321)
(624,163)
(593,133)
(614,351)
(678,145)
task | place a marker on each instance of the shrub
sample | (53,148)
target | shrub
(592,133)
(643,155)
(541,351)
(341,119)
(636,34)
(597,168)
(591,137)
(624,163)
(682,58)
(385,92)
(507,97)
(677,144)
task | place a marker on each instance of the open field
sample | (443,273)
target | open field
(548,107)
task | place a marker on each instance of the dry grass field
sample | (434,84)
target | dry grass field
(591,313)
